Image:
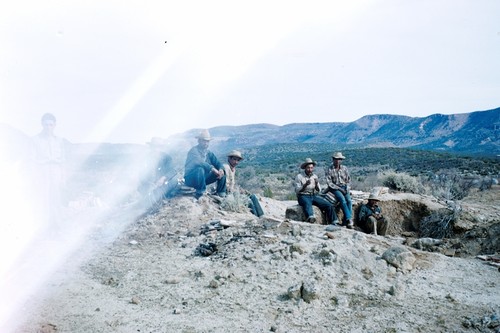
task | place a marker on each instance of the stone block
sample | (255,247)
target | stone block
(296,213)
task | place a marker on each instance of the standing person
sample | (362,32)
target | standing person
(307,188)
(338,180)
(371,219)
(234,157)
(202,167)
(49,157)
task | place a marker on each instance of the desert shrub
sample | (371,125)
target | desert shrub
(400,181)
(487,183)
(268,193)
(366,183)
(439,224)
(450,184)
(291,196)
(235,202)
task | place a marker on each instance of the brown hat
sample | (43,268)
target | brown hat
(374,197)
(204,135)
(235,153)
(338,156)
(307,162)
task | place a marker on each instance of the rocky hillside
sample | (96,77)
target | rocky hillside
(195,267)
(471,133)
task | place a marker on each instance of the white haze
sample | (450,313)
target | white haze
(125,71)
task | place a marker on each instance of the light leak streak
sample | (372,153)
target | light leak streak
(30,254)
(135,93)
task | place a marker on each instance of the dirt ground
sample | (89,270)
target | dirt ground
(193,267)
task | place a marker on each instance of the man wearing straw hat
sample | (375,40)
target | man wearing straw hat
(234,157)
(202,167)
(370,217)
(338,180)
(307,189)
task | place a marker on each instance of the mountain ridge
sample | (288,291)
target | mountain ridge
(475,133)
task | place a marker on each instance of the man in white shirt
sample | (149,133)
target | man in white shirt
(307,188)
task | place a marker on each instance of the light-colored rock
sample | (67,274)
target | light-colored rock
(135,300)
(173,280)
(296,213)
(270,222)
(426,243)
(295,292)
(310,291)
(399,257)
(297,247)
(397,290)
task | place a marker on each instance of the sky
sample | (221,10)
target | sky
(126,71)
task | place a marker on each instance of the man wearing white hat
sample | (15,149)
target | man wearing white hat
(338,180)
(234,157)
(202,167)
(370,217)
(307,189)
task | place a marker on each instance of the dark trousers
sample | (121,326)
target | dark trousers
(307,201)
(254,206)
(199,179)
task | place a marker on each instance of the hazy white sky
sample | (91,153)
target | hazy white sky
(124,71)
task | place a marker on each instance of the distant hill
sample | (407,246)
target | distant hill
(474,133)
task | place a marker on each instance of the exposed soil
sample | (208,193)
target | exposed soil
(192,267)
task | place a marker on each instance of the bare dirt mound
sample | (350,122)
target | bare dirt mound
(193,267)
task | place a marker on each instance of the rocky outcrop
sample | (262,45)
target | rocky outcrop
(296,213)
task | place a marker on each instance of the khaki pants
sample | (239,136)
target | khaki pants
(376,226)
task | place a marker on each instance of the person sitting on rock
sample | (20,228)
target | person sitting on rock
(370,217)
(234,157)
(307,188)
(338,180)
(202,167)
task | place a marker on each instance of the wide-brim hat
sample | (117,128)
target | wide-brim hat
(338,156)
(204,135)
(235,153)
(374,197)
(307,162)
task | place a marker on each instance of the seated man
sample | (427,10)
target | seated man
(233,159)
(338,180)
(308,189)
(370,217)
(202,167)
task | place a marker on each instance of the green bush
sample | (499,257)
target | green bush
(401,181)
